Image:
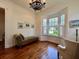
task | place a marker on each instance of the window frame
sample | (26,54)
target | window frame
(59,14)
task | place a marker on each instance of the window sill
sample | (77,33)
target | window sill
(52,36)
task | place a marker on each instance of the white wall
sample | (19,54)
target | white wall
(73,14)
(14,14)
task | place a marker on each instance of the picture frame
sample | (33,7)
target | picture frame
(27,25)
(20,25)
(74,23)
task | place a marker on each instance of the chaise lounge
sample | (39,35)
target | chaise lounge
(21,40)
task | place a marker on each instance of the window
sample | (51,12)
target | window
(53,23)
(62,19)
(62,23)
(54,26)
(44,23)
(53,31)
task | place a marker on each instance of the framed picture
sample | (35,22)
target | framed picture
(74,24)
(20,25)
(27,25)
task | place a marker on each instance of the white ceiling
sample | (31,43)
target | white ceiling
(49,3)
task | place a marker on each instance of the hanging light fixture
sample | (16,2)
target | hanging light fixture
(37,4)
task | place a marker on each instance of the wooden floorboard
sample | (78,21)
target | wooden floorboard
(37,50)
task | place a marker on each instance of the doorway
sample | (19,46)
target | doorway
(2,28)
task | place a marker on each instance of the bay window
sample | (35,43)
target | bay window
(53,26)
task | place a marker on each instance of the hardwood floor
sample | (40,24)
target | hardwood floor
(37,50)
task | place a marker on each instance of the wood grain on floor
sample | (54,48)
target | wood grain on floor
(37,50)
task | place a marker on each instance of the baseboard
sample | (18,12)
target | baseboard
(50,42)
(37,41)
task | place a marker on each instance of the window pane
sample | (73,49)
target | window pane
(56,21)
(62,20)
(44,30)
(53,21)
(44,22)
(53,31)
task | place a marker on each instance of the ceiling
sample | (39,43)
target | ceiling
(49,3)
